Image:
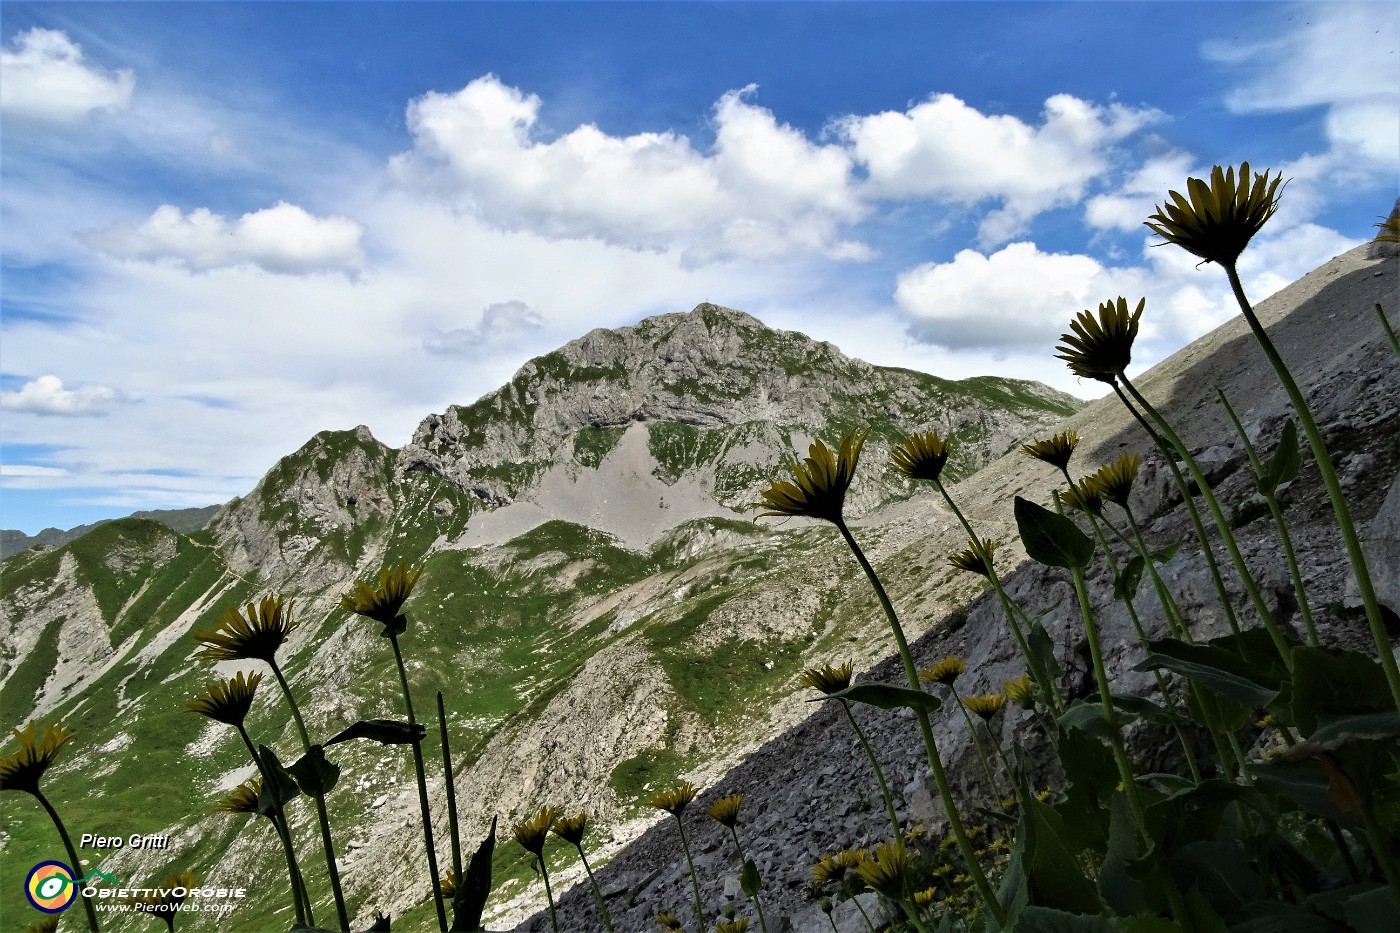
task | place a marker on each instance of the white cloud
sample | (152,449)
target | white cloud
(944,149)
(284,238)
(1137,198)
(47,81)
(30,471)
(765,190)
(47,396)
(504,324)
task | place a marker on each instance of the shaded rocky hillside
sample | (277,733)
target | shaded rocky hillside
(594,589)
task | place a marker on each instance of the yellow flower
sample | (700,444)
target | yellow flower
(259,635)
(921,456)
(726,809)
(243,798)
(926,897)
(1217,220)
(1101,348)
(734,926)
(162,900)
(531,833)
(987,705)
(887,871)
(1084,496)
(227,701)
(447,886)
(1021,691)
(668,921)
(821,481)
(23,770)
(829,679)
(675,800)
(945,672)
(384,603)
(1114,481)
(975,559)
(47,925)
(571,828)
(1055,451)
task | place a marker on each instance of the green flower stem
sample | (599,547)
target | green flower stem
(831,920)
(1222,525)
(451,792)
(1001,755)
(1276,511)
(1334,489)
(320,800)
(72,856)
(597,891)
(694,881)
(855,899)
(1377,836)
(1194,513)
(548,892)
(935,761)
(879,772)
(977,744)
(739,847)
(1389,331)
(279,821)
(911,911)
(1049,694)
(422,788)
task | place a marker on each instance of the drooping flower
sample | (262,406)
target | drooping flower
(734,926)
(1020,691)
(163,901)
(447,886)
(975,558)
(921,456)
(227,701)
(945,672)
(242,799)
(572,828)
(668,921)
(830,678)
(257,635)
(985,705)
(1101,347)
(1084,496)
(726,810)
(819,482)
(886,871)
(1114,481)
(384,602)
(1055,451)
(531,833)
(22,770)
(1217,220)
(675,800)
(834,867)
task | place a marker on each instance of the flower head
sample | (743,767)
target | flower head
(1114,481)
(227,701)
(1055,451)
(162,900)
(834,867)
(1101,348)
(726,810)
(975,558)
(945,672)
(820,481)
(258,635)
(668,921)
(242,799)
(531,833)
(1084,496)
(833,678)
(47,925)
(734,926)
(23,770)
(1020,691)
(921,456)
(986,705)
(1217,220)
(571,828)
(384,603)
(675,800)
(887,870)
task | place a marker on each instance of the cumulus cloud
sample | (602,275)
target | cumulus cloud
(47,396)
(764,189)
(503,324)
(47,81)
(284,239)
(942,148)
(1138,196)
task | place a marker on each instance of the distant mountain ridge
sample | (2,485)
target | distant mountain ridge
(184,521)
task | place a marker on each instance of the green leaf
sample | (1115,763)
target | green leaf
(886,696)
(1284,465)
(1052,539)
(1214,668)
(1330,683)
(1277,917)
(1306,784)
(1374,911)
(1126,586)
(383,731)
(469,901)
(1052,870)
(1043,650)
(749,881)
(316,774)
(278,788)
(1350,729)
(1119,889)
(1038,919)
(1223,875)
(1087,718)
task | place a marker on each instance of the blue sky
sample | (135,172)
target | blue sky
(229,226)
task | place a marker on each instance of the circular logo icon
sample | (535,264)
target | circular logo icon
(50,887)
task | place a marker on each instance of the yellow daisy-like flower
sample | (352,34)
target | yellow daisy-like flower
(921,456)
(820,481)
(829,679)
(163,902)
(834,867)
(1021,691)
(1114,481)
(675,800)
(975,558)
(1101,348)
(384,603)
(1084,496)
(926,897)
(668,921)
(1216,220)
(986,705)
(531,833)
(945,672)
(734,926)
(1055,451)
(571,828)
(887,870)
(726,809)
(258,635)
(227,701)
(447,885)
(22,770)
(243,798)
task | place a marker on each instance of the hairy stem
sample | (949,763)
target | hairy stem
(72,856)
(418,771)
(879,772)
